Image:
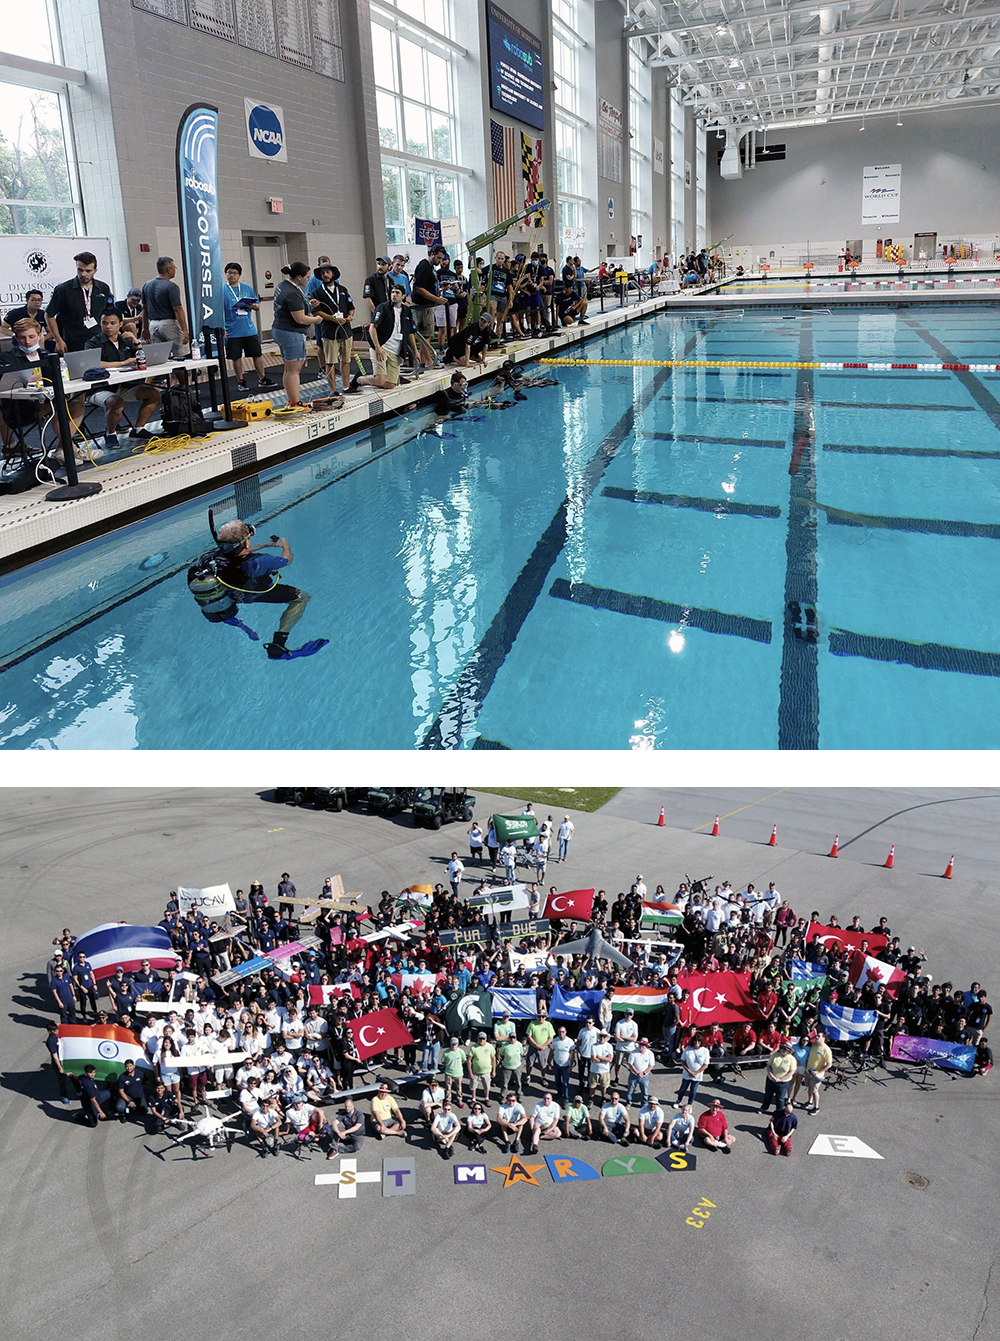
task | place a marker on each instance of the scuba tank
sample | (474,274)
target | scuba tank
(213,598)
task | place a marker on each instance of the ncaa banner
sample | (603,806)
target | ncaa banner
(265,130)
(198,207)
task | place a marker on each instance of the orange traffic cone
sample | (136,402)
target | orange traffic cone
(660,822)
(890,858)
(715,828)
(835,850)
(771,842)
(951,868)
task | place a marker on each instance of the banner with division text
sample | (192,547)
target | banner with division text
(198,208)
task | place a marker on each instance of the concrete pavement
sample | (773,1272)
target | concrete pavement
(102,1238)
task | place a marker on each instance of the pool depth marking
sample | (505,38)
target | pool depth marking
(984,398)
(465,699)
(719,506)
(867,450)
(798,703)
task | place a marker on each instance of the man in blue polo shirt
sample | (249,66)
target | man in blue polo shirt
(64,993)
(242,341)
(86,987)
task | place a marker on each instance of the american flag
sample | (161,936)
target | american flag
(505,174)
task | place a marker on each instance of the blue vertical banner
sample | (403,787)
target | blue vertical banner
(198,207)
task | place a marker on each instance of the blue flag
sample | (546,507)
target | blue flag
(572,1005)
(520,1003)
(811,975)
(428,232)
(843,1024)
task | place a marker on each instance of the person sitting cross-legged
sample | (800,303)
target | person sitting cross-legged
(714,1129)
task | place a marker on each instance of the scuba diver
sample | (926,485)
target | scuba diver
(454,398)
(235,573)
(512,378)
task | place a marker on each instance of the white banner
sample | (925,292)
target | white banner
(880,193)
(37,262)
(212,900)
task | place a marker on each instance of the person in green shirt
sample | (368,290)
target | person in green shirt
(482,1068)
(578,1126)
(453,1061)
(511,1061)
(504,1028)
(540,1035)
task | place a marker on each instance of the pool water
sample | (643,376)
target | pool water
(923,284)
(612,564)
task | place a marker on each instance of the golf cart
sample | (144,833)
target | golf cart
(442,804)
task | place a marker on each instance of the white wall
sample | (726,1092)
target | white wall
(950,180)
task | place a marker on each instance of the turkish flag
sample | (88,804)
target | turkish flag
(719,998)
(378,1031)
(575,903)
(864,969)
(852,939)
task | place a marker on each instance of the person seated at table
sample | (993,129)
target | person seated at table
(23,357)
(130,311)
(118,350)
(31,307)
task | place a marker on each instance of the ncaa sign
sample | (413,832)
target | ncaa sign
(265,131)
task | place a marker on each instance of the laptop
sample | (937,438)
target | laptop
(79,360)
(158,353)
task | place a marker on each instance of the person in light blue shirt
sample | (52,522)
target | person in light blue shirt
(239,300)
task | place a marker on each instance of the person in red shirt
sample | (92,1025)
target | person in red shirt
(714,1129)
(769,1039)
(766,1002)
(744,1040)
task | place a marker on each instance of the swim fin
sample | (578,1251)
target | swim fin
(238,624)
(279,653)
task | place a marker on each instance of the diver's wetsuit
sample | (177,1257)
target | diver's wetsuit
(450,401)
(252,580)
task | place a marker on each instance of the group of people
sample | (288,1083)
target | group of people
(597,1079)
(82,314)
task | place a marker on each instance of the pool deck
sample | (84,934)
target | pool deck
(31,526)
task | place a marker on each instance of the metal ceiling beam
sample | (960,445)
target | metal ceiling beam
(986,15)
(924,105)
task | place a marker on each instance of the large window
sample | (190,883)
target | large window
(415,105)
(640,152)
(701,190)
(677,175)
(569,126)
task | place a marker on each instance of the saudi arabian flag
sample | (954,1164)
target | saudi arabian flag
(515,827)
(107,1046)
(640,999)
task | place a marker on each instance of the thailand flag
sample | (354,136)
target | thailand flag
(115,943)
(864,969)
(843,1024)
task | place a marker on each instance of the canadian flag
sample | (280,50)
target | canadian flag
(420,984)
(378,1031)
(864,969)
(327,992)
(575,903)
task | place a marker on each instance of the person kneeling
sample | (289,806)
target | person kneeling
(780,1129)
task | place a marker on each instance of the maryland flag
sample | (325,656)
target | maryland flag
(531,172)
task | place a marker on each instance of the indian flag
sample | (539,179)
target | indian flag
(107,1046)
(660,914)
(640,998)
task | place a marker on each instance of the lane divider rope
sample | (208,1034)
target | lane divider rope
(758,363)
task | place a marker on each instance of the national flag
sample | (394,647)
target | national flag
(504,180)
(864,969)
(844,1024)
(520,1003)
(413,901)
(107,1046)
(719,998)
(326,993)
(468,1010)
(852,939)
(506,899)
(378,1031)
(658,913)
(570,1005)
(640,999)
(534,962)
(420,984)
(575,903)
(807,975)
(115,943)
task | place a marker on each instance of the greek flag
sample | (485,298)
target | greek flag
(809,975)
(842,1024)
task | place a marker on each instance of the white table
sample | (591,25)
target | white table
(114,378)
